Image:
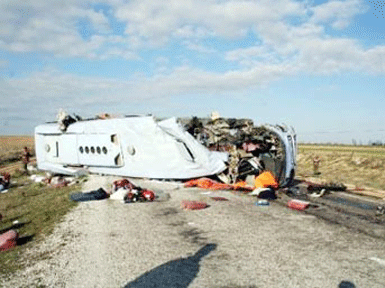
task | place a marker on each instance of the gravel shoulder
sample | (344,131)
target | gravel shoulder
(229,244)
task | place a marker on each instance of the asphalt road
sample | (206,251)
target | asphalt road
(229,244)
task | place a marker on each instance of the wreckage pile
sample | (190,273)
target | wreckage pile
(252,149)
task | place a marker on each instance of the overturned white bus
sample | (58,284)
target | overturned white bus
(141,146)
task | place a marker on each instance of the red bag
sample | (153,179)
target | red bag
(8,240)
(193,205)
(298,204)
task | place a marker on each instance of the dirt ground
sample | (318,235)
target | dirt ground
(231,243)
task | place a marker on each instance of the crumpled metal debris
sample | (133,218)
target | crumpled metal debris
(331,186)
(250,147)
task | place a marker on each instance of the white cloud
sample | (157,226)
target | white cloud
(98,19)
(119,53)
(162,60)
(190,31)
(310,49)
(156,20)
(260,53)
(341,13)
(52,85)
(198,47)
(50,26)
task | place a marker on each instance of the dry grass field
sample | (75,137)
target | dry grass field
(12,146)
(363,166)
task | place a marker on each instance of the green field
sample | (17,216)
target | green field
(37,208)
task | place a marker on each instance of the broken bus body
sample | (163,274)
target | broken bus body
(142,146)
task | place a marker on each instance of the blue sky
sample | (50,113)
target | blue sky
(316,65)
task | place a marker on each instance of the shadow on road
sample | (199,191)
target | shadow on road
(25,239)
(176,273)
(346,284)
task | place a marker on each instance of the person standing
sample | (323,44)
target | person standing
(316,162)
(25,157)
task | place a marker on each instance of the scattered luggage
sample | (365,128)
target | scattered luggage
(8,240)
(193,205)
(125,190)
(139,195)
(264,193)
(298,204)
(99,194)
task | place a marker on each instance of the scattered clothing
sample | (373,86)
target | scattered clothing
(8,240)
(128,192)
(298,204)
(193,205)
(264,193)
(123,183)
(99,194)
(119,194)
(37,178)
(207,183)
(139,195)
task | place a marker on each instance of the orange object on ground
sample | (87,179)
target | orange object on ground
(193,205)
(207,183)
(8,240)
(242,185)
(265,179)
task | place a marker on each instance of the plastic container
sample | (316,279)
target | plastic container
(262,203)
